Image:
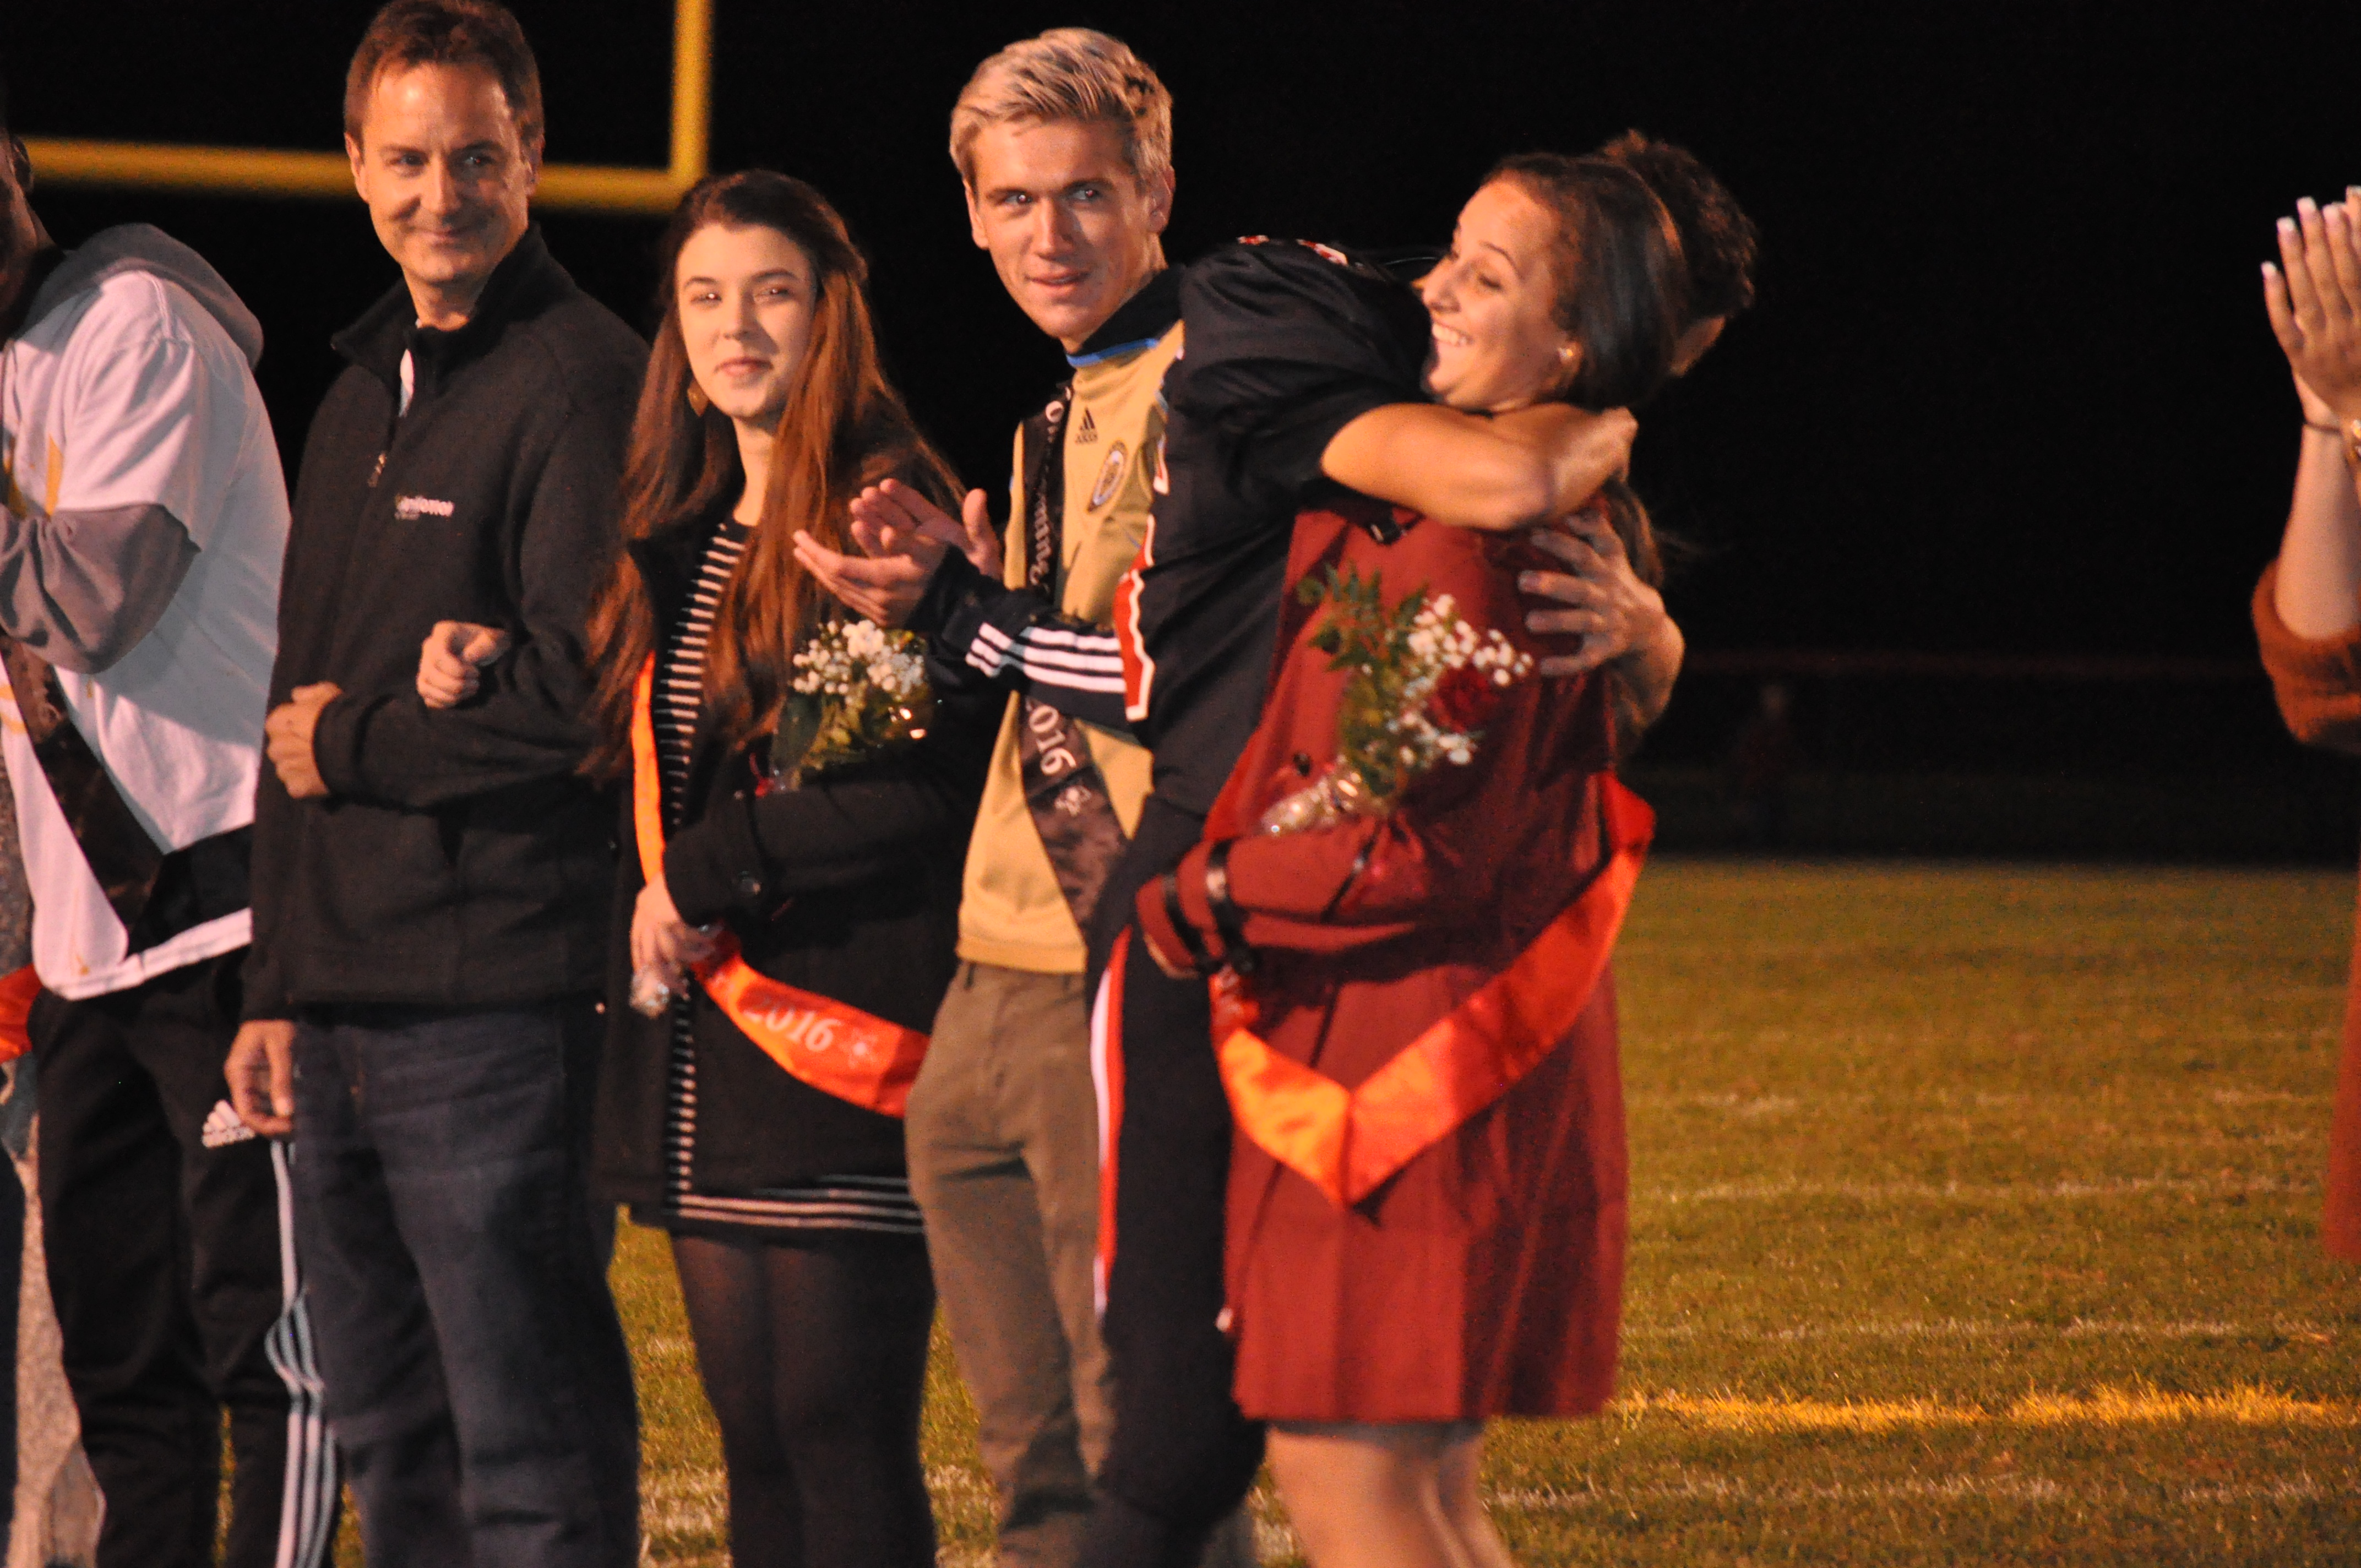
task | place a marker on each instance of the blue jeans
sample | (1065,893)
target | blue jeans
(478,1382)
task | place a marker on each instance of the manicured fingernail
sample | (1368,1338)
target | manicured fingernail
(1527,582)
(2269,270)
(2306,205)
(2286,226)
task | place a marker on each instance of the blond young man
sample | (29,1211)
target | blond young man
(1063,145)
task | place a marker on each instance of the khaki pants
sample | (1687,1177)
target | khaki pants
(1003,1130)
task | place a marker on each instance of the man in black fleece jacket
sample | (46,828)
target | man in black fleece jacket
(431,887)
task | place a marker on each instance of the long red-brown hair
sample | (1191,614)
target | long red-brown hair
(844,427)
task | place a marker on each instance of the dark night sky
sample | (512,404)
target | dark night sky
(2009,386)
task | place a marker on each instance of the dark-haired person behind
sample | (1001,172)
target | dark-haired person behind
(429,887)
(802,917)
(1611,606)
(1409,890)
(1717,240)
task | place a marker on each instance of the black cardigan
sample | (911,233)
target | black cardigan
(848,886)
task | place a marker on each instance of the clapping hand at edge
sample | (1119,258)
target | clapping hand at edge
(2312,295)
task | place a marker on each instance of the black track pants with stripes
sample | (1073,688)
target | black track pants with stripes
(173,1277)
(1181,1457)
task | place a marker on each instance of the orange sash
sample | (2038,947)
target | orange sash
(1346,1142)
(837,1049)
(18,990)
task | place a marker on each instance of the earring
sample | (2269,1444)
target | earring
(698,401)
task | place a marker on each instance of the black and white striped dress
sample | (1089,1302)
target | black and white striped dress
(877,1204)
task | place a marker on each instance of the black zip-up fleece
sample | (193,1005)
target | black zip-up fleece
(459,860)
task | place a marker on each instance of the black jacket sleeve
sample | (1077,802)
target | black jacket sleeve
(1013,639)
(750,852)
(269,873)
(1289,343)
(527,721)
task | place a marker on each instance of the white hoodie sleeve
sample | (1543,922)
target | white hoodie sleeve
(88,567)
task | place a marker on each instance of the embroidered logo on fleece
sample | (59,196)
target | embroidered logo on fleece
(1110,475)
(409,509)
(222,1128)
(1086,432)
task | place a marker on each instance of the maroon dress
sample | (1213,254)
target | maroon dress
(2318,681)
(1485,1278)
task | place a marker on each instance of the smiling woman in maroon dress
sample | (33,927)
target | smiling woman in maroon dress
(1427,1204)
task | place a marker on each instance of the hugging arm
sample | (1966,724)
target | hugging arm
(1492,472)
(1620,618)
(1313,368)
(1523,469)
(1313,364)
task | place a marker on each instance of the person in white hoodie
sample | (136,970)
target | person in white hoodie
(142,520)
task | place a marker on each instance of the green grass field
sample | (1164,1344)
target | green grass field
(1974,1220)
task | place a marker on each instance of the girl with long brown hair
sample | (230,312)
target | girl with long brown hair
(789,927)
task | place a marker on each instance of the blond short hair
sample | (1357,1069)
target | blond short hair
(1070,73)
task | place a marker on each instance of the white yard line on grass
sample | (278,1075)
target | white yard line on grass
(2250,1407)
(2150,1099)
(1979,1328)
(1976,1193)
(1937,1488)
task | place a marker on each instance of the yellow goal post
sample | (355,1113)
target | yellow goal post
(270,172)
